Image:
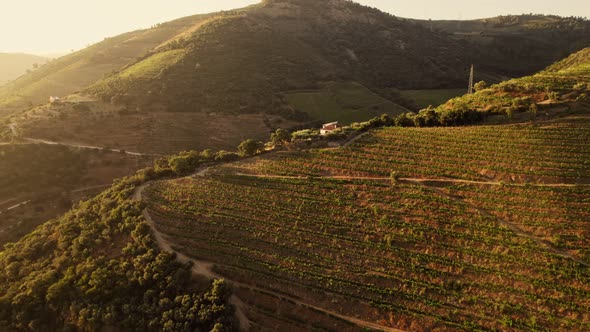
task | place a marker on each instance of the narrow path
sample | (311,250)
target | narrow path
(415,180)
(16,206)
(29,201)
(198,267)
(90,188)
(202,268)
(7,201)
(89,147)
(14,129)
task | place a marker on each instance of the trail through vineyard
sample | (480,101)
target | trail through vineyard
(201,268)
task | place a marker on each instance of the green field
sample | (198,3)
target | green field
(345,102)
(424,98)
(152,66)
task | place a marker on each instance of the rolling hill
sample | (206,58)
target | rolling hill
(98,268)
(209,81)
(468,228)
(77,70)
(475,228)
(464,228)
(531,42)
(563,81)
(13,65)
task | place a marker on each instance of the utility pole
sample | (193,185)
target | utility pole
(470,89)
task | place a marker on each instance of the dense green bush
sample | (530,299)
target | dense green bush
(250,147)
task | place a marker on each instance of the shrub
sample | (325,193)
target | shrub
(250,147)
(280,137)
(426,118)
(404,120)
(553,96)
(507,87)
(225,156)
(305,134)
(180,165)
(481,85)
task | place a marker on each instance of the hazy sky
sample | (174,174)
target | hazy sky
(55,26)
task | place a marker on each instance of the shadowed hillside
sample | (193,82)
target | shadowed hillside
(530,42)
(246,61)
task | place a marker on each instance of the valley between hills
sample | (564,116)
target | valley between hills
(180,182)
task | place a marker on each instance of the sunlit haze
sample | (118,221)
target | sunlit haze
(57,26)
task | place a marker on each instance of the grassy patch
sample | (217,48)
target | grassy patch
(342,101)
(152,66)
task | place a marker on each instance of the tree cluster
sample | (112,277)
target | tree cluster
(98,267)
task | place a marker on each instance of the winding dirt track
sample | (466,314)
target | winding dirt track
(202,268)
(14,129)
(90,188)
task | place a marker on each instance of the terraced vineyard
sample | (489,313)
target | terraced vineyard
(551,152)
(330,228)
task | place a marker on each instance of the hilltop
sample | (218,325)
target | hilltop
(212,80)
(13,65)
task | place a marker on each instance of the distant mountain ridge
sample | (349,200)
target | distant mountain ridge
(251,57)
(77,70)
(13,65)
(530,42)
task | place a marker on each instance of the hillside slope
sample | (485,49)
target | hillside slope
(98,268)
(554,87)
(250,57)
(77,70)
(531,42)
(257,63)
(41,182)
(13,65)
(244,73)
(475,228)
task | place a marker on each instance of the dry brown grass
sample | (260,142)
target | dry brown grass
(105,125)
(44,205)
